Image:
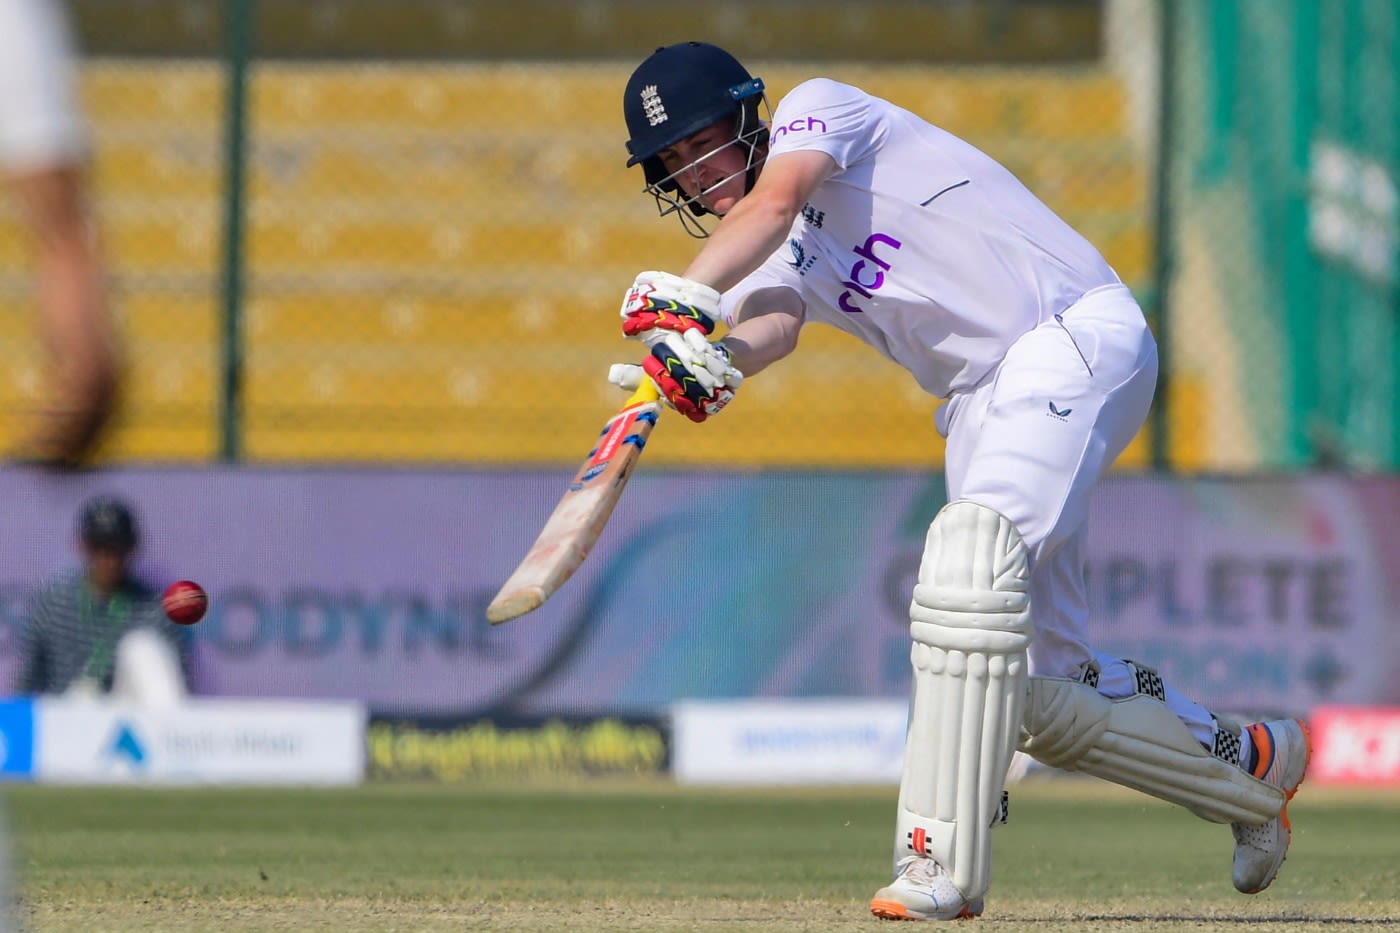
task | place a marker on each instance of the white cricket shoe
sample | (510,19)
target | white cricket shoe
(922,890)
(1284,748)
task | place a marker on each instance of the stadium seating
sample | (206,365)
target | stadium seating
(434,254)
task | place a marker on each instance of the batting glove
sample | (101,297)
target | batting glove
(693,375)
(658,302)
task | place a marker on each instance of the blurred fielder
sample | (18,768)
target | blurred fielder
(100,631)
(43,155)
(842,208)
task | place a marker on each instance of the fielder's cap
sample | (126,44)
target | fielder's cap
(107,522)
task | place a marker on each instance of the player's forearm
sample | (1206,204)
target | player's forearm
(759,223)
(74,324)
(767,330)
(748,235)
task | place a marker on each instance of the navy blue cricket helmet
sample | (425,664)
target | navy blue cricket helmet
(679,90)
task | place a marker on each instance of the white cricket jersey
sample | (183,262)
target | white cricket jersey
(919,244)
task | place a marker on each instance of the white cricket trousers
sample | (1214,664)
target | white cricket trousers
(1032,439)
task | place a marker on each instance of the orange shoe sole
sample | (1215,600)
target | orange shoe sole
(894,910)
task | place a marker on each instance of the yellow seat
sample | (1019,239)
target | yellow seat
(163,436)
(181,95)
(188,318)
(470,99)
(175,165)
(165,235)
(382,320)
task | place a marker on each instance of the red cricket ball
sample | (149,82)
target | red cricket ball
(184,602)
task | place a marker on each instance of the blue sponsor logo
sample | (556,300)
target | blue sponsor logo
(589,474)
(125,746)
(16,738)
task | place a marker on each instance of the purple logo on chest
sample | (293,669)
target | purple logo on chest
(867,275)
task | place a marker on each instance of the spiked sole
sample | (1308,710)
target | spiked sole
(1288,793)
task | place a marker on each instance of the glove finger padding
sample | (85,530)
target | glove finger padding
(626,375)
(691,373)
(659,301)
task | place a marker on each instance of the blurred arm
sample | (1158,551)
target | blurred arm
(76,331)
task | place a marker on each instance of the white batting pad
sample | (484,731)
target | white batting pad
(1140,743)
(971,627)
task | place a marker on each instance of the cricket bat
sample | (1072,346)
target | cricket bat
(582,513)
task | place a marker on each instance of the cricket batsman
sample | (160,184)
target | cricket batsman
(842,208)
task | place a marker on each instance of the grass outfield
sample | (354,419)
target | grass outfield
(1076,855)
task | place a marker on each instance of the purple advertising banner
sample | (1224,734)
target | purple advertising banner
(371,585)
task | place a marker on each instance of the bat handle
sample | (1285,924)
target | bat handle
(646,392)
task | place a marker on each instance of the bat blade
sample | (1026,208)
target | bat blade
(583,511)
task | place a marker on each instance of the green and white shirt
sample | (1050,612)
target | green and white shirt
(71,633)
